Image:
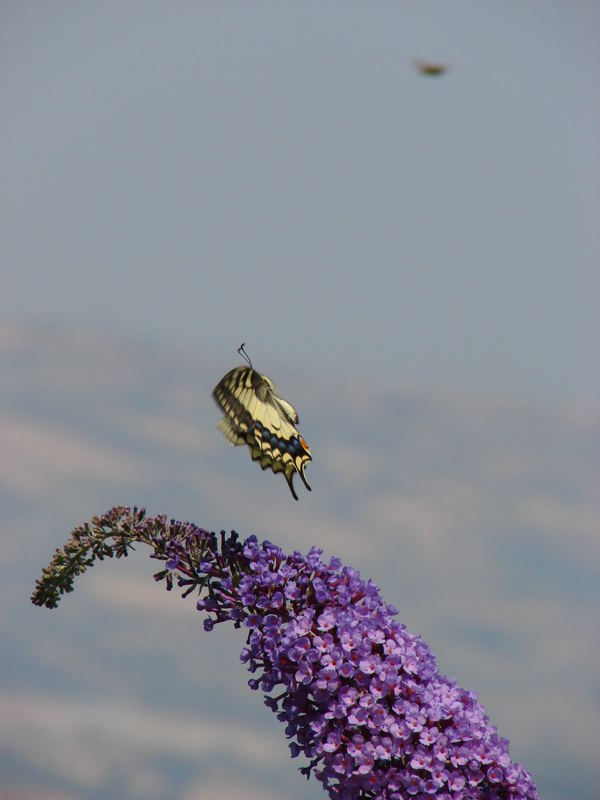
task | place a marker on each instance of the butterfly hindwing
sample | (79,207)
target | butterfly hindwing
(255,415)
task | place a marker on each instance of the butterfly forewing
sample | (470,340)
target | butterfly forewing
(254,414)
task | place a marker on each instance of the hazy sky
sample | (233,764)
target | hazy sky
(414,261)
(279,173)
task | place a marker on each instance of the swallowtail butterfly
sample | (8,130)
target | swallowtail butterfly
(255,415)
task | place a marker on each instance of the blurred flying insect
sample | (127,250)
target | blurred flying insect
(429,68)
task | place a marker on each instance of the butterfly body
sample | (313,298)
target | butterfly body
(255,415)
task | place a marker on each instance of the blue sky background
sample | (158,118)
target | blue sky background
(415,263)
(207,173)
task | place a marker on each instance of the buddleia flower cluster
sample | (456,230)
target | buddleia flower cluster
(360,697)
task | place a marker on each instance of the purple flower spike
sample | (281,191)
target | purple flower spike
(360,697)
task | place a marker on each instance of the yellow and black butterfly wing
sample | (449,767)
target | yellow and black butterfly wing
(281,449)
(255,415)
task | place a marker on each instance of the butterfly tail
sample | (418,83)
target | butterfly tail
(303,476)
(289,475)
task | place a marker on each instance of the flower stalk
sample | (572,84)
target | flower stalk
(360,697)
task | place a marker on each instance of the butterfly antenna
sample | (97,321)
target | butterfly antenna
(244,354)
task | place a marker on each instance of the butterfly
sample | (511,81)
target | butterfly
(255,415)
